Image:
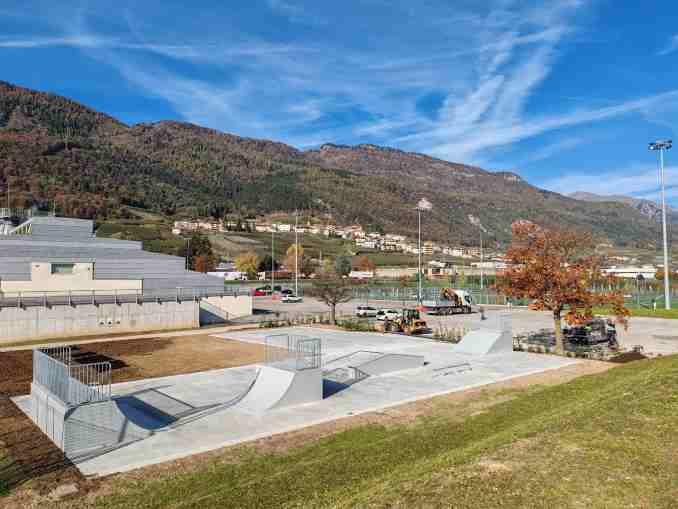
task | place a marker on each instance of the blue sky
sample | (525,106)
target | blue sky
(566,93)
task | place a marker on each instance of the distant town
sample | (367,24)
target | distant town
(490,261)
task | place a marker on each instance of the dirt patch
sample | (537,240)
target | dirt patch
(625,357)
(31,456)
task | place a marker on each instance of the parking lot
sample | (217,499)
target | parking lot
(655,335)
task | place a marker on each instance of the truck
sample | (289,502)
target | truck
(449,302)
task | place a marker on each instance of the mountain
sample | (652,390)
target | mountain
(92,165)
(648,208)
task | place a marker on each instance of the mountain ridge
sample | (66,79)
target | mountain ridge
(53,148)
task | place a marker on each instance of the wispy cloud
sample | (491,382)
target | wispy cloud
(296,13)
(551,150)
(670,47)
(484,63)
(640,181)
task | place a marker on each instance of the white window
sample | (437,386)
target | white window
(63,268)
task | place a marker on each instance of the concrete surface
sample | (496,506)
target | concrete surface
(656,335)
(217,422)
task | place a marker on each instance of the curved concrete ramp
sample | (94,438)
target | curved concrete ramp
(277,388)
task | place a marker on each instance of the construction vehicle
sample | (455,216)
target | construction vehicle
(409,323)
(593,332)
(449,302)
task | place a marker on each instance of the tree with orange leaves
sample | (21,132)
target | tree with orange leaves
(556,270)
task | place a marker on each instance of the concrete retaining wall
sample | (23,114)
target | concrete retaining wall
(18,324)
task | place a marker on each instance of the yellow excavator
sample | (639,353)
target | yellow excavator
(409,323)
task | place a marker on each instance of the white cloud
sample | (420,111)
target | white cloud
(485,62)
(552,149)
(670,47)
(641,181)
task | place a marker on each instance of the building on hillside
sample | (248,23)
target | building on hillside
(427,248)
(394,272)
(631,271)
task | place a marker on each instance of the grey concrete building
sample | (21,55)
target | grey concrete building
(57,279)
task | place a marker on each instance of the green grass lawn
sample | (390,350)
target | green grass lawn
(640,311)
(600,441)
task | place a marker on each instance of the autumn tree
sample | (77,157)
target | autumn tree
(304,261)
(364,263)
(331,292)
(248,263)
(555,270)
(659,275)
(199,252)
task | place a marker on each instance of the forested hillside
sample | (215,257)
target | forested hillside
(92,165)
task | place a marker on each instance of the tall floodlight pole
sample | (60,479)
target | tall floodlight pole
(423,204)
(482,273)
(272,261)
(661,146)
(296,253)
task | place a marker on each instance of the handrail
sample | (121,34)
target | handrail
(120,296)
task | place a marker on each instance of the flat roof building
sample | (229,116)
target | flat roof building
(63,254)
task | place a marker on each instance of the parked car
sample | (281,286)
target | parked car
(364,311)
(258,292)
(287,291)
(291,298)
(388,314)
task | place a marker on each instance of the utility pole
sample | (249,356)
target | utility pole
(188,253)
(661,146)
(272,261)
(296,253)
(423,204)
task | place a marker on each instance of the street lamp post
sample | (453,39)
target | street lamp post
(482,274)
(296,253)
(661,146)
(423,204)
(272,261)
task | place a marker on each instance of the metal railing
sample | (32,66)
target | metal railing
(293,352)
(73,384)
(90,382)
(122,296)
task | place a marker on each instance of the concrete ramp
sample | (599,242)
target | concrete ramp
(485,341)
(277,388)
(391,362)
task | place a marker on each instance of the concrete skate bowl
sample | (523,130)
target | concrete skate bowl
(343,372)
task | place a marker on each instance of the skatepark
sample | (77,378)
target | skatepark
(309,376)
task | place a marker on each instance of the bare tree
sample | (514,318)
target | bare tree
(331,292)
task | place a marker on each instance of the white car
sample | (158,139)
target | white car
(364,311)
(291,298)
(388,314)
